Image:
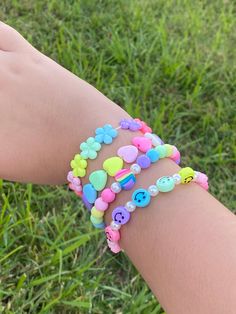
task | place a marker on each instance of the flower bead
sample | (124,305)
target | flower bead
(89,148)
(144,127)
(78,164)
(105,134)
(130,124)
(74,183)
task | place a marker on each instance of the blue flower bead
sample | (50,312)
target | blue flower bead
(89,148)
(105,134)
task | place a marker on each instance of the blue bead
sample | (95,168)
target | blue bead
(100,226)
(153,155)
(90,193)
(165,184)
(141,198)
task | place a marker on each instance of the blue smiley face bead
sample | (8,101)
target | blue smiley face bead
(165,184)
(141,198)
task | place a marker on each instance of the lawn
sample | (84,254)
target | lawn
(170,62)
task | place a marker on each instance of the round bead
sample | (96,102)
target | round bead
(153,155)
(130,206)
(112,235)
(186,174)
(96,213)
(126,179)
(86,203)
(114,246)
(153,190)
(90,193)
(141,198)
(120,215)
(135,168)
(156,140)
(177,178)
(100,204)
(161,150)
(169,149)
(114,225)
(96,220)
(144,161)
(115,187)
(108,196)
(165,184)
(100,225)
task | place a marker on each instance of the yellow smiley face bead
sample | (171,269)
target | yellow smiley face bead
(186,174)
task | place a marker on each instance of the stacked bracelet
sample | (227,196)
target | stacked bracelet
(142,198)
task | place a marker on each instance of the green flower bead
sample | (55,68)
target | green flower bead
(89,148)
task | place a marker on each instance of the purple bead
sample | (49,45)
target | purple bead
(124,123)
(177,161)
(134,125)
(120,215)
(86,203)
(143,161)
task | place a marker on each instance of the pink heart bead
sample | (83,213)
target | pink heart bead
(128,153)
(142,143)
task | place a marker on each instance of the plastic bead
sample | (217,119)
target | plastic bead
(130,206)
(114,246)
(98,179)
(112,165)
(78,164)
(141,198)
(135,168)
(165,184)
(120,215)
(128,153)
(153,190)
(161,150)
(96,213)
(86,203)
(114,225)
(100,225)
(143,161)
(100,204)
(108,196)
(105,134)
(90,193)
(89,148)
(115,187)
(156,140)
(177,178)
(112,235)
(126,179)
(169,149)
(144,127)
(187,175)
(153,155)
(74,183)
(142,143)
(96,220)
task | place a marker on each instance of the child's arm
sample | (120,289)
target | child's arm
(183,244)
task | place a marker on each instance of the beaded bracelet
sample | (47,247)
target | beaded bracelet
(142,198)
(125,180)
(89,149)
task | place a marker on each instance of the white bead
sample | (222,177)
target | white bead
(153,190)
(195,175)
(114,226)
(135,168)
(154,138)
(130,206)
(177,178)
(115,187)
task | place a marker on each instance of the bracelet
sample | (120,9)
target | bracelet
(91,147)
(142,198)
(125,180)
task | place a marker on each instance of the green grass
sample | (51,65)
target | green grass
(170,62)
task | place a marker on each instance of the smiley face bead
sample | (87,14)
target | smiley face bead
(187,175)
(112,235)
(141,198)
(120,215)
(165,184)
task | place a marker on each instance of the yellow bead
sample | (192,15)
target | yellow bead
(113,165)
(187,175)
(169,149)
(96,213)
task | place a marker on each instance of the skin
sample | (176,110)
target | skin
(183,243)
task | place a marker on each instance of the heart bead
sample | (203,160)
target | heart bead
(142,143)
(90,193)
(98,179)
(128,153)
(113,165)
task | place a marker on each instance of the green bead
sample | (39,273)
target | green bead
(161,150)
(98,179)
(165,184)
(169,149)
(113,165)
(96,220)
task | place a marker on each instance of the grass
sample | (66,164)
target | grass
(171,62)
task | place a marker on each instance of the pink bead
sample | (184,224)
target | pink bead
(114,246)
(108,196)
(202,180)
(112,235)
(100,204)
(175,155)
(142,143)
(145,128)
